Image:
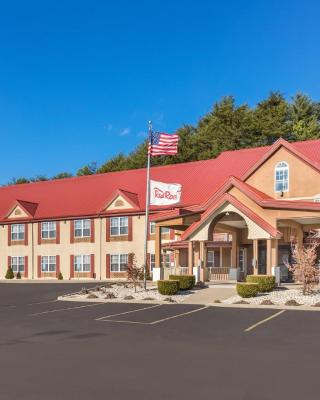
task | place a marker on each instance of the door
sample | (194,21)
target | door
(243,261)
(262,259)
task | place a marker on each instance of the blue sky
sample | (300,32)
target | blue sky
(79,80)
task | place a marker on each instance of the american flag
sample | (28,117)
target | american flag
(163,144)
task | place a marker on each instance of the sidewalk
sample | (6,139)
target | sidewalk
(210,294)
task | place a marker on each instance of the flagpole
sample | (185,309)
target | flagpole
(147,210)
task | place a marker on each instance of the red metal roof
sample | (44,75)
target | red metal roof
(85,196)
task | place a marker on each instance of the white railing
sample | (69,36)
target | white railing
(218,273)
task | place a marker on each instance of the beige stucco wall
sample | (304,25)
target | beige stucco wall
(65,249)
(271,215)
(304,181)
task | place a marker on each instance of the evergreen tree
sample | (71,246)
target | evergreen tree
(272,120)
(18,181)
(62,175)
(88,169)
(305,121)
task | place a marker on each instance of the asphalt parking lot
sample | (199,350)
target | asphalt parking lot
(65,350)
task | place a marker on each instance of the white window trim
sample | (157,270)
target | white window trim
(12,233)
(275,177)
(119,261)
(18,265)
(48,264)
(48,230)
(118,226)
(82,228)
(82,263)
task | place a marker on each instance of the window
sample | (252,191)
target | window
(82,228)
(165,230)
(17,264)
(48,263)
(152,228)
(17,232)
(152,261)
(119,226)
(48,230)
(281,177)
(82,263)
(119,262)
(210,259)
(242,259)
(165,260)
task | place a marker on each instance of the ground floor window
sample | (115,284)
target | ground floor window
(48,263)
(119,262)
(82,263)
(17,264)
(152,261)
(165,260)
(242,259)
(210,259)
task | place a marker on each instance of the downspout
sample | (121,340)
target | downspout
(32,251)
(100,249)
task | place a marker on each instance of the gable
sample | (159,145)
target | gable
(119,203)
(303,179)
(17,212)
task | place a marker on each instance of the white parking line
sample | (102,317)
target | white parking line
(250,328)
(41,302)
(65,309)
(127,312)
(153,322)
(179,315)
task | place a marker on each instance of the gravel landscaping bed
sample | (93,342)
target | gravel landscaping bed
(279,297)
(125,292)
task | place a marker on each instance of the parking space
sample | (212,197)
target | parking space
(90,350)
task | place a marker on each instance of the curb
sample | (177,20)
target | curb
(219,305)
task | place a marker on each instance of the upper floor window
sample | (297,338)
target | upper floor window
(17,264)
(281,178)
(119,226)
(82,228)
(48,263)
(119,262)
(165,230)
(17,232)
(48,230)
(82,263)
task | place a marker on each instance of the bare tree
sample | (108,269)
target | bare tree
(134,273)
(304,266)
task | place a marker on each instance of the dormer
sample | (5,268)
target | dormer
(22,209)
(122,200)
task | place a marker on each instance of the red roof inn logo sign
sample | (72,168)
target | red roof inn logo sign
(162,194)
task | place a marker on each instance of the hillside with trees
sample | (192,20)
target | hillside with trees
(227,126)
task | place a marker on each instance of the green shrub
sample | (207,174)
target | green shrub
(168,288)
(60,276)
(9,274)
(266,283)
(186,282)
(18,276)
(245,289)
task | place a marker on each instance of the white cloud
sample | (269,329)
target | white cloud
(125,132)
(108,127)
